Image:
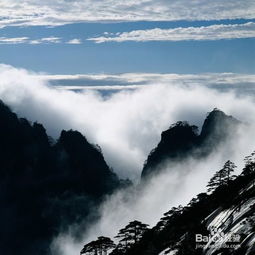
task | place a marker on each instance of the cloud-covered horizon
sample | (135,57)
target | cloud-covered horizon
(128,124)
(49,13)
(110,83)
(212,32)
(124,80)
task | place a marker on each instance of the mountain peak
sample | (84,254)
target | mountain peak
(175,143)
(218,125)
(182,140)
(72,137)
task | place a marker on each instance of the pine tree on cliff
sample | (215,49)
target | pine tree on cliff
(228,168)
(171,214)
(98,247)
(249,167)
(222,177)
(131,234)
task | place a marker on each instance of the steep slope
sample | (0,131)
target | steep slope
(45,186)
(221,222)
(182,140)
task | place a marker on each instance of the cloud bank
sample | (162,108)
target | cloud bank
(213,32)
(137,80)
(54,13)
(127,124)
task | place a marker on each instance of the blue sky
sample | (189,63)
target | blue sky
(141,42)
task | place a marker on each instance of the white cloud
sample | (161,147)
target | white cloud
(19,40)
(74,41)
(35,12)
(213,32)
(44,40)
(51,39)
(13,40)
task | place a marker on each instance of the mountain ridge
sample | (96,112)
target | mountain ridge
(46,186)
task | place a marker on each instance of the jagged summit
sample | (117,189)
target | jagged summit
(182,140)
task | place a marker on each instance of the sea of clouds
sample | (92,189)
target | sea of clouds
(127,125)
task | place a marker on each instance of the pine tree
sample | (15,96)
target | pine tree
(222,177)
(98,247)
(228,168)
(249,164)
(214,182)
(200,197)
(131,234)
(174,211)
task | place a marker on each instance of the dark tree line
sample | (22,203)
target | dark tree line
(99,246)
(127,236)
